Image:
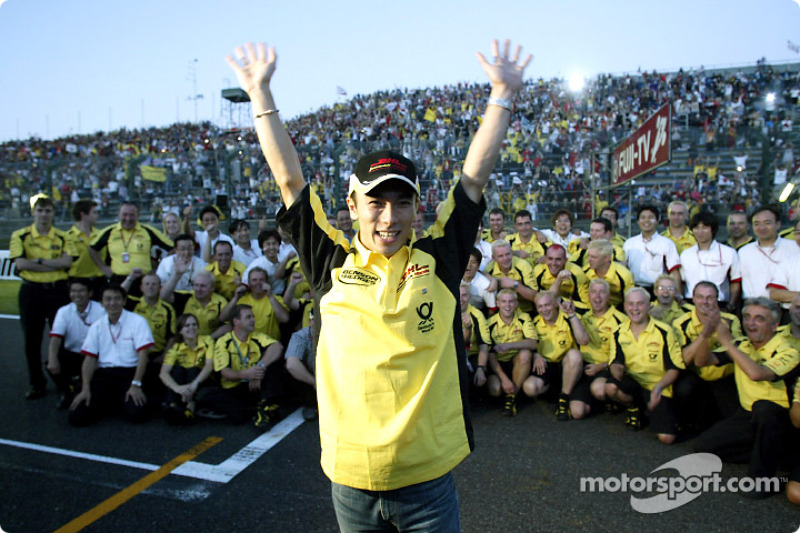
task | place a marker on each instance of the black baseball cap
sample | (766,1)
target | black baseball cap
(378,167)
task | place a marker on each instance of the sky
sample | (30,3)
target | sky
(82,66)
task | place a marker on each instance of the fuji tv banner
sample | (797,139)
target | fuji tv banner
(645,149)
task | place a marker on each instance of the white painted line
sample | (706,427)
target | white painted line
(228,469)
(79,455)
(10,317)
(221,473)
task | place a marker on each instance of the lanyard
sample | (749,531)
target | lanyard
(243,359)
(111,332)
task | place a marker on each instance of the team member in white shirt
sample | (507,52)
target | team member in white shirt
(760,260)
(66,338)
(177,270)
(116,351)
(246,250)
(650,254)
(482,290)
(709,260)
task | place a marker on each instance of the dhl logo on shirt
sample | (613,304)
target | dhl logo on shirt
(414,271)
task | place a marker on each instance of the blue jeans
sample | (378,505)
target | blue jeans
(426,507)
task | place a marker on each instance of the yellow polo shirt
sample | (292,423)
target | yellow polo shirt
(225,284)
(520,328)
(570,289)
(688,327)
(479,333)
(649,357)
(601,332)
(266,320)
(207,315)
(533,247)
(129,249)
(779,356)
(683,242)
(556,339)
(619,280)
(160,317)
(521,271)
(83,266)
(230,353)
(28,243)
(180,354)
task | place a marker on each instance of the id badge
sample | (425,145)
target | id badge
(126,257)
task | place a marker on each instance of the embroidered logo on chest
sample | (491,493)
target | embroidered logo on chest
(356,276)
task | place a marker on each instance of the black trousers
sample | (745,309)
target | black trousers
(38,303)
(756,437)
(68,380)
(239,403)
(109,386)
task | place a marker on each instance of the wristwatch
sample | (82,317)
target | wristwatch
(136,383)
(516,285)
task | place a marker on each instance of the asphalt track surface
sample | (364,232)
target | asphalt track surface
(523,476)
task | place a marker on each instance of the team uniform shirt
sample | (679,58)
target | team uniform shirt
(601,331)
(739,246)
(237,355)
(390,365)
(570,289)
(479,295)
(301,346)
(618,240)
(225,284)
(479,331)
(719,265)
(683,242)
(181,355)
(786,275)
(556,339)
(533,247)
(266,320)
(201,238)
(207,315)
(83,266)
(519,328)
(247,256)
(759,265)
(129,249)
(486,235)
(786,331)
(619,280)
(521,271)
(28,243)
(674,312)
(688,327)
(167,268)
(648,260)
(160,317)
(117,345)
(579,257)
(72,325)
(777,355)
(649,357)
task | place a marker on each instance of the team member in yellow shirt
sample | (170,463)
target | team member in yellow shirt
(524,243)
(82,233)
(512,273)
(268,308)
(513,341)
(562,278)
(645,362)
(227,272)
(159,314)
(601,322)
(677,231)
(697,332)
(42,255)
(250,379)
(187,365)
(476,336)
(766,364)
(601,266)
(401,370)
(128,244)
(202,302)
(558,360)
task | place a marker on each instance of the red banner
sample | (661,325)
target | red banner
(645,149)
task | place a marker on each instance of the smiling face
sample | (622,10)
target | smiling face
(507,304)
(758,324)
(384,217)
(599,297)
(556,258)
(503,257)
(547,307)
(524,226)
(637,307)
(128,216)
(563,225)
(647,222)
(677,216)
(270,248)
(737,225)
(765,227)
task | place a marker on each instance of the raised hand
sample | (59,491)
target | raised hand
(254,65)
(504,72)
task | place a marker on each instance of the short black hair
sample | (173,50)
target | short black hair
(707,219)
(607,225)
(649,207)
(266,234)
(82,207)
(768,207)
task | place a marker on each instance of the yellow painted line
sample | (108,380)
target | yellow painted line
(126,494)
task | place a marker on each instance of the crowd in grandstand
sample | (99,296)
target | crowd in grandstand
(547,156)
(695,337)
